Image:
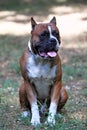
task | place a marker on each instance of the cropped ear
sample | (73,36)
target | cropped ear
(53,20)
(33,23)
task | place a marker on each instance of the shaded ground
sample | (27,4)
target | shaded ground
(14,34)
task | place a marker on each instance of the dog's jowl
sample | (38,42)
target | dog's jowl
(42,74)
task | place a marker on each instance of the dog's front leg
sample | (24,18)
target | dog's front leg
(31,95)
(54,103)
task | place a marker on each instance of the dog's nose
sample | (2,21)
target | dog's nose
(52,40)
(52,44)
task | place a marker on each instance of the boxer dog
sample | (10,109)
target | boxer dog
(42,73)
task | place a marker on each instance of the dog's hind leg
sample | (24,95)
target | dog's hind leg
(63,99)
(24,103)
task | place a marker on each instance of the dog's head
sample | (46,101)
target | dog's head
(45,39)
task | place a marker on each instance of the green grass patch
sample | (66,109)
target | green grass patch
(74,72)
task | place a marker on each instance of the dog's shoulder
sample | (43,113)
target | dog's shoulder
(24,62)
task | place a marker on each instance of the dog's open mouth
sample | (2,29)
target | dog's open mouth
(50,54)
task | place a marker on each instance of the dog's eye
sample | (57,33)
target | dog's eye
(55,33)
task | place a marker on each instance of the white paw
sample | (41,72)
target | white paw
(25,113)
(52,111)
(35,121)
(51,120)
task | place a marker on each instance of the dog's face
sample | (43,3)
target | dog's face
(45,39)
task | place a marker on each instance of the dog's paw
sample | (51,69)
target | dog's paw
(35,121)
(25,113)
(50,120)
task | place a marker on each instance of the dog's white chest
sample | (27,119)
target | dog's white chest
(41,74)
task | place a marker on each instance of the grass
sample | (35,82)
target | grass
(74,65)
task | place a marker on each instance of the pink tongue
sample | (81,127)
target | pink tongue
(52,54)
